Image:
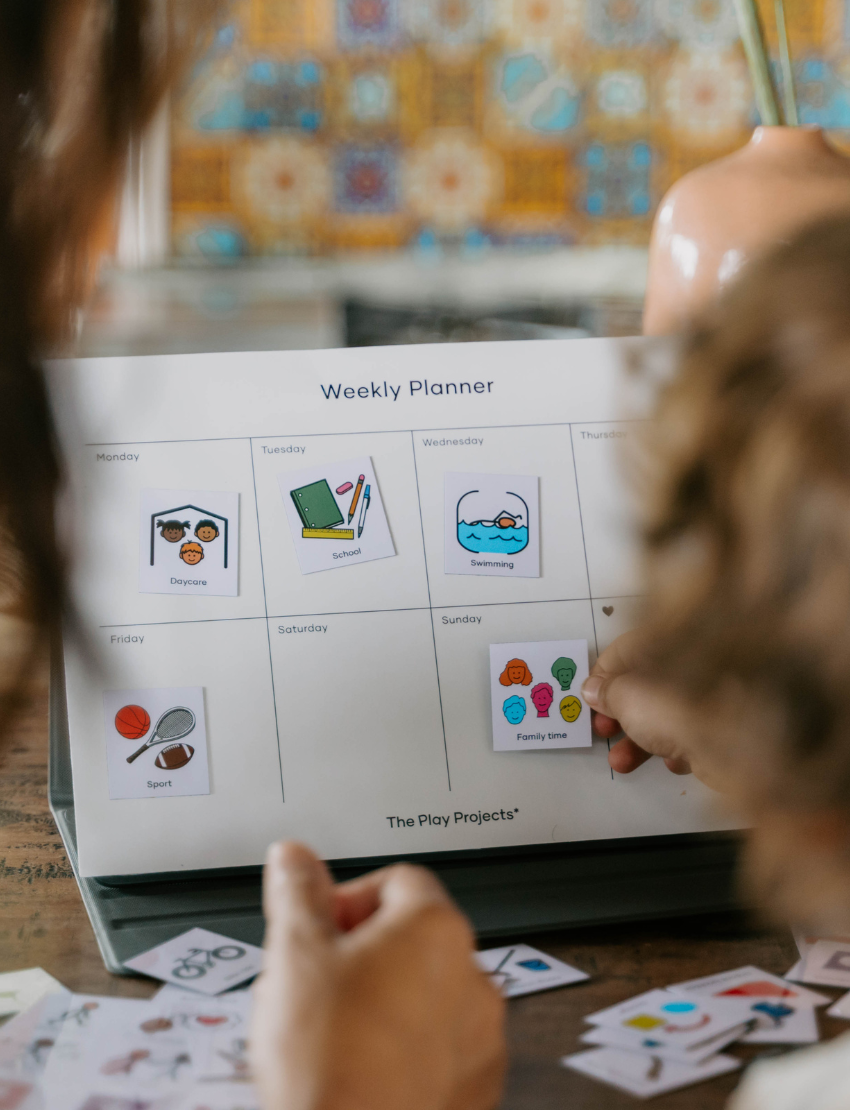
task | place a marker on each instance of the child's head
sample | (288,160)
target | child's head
(206,530)
(191,553)
(172,530)
(748,540)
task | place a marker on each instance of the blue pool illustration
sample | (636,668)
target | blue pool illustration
(492,521)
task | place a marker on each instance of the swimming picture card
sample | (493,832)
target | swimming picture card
(645,1076)
(200,960)
(535,693)
(336,515)
(156,742)
(519,969)
(189,542)
(493,525)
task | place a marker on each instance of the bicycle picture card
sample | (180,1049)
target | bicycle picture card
(200,961)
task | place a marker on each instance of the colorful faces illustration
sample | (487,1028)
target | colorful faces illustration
(206,530)
(514,709)
(570,708)
(516,673)
(564,671)
(541,698)
(191,553)
(172,530)
(492,521)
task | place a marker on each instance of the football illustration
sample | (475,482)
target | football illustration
(132,721)
(173,757)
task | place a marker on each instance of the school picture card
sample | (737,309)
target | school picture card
(535,693)
(156,742)
(336,515)
(189,542)
(492,525)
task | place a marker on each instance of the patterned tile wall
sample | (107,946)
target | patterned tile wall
(323,126)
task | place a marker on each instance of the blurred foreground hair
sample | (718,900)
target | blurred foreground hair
(79,79)
(748,540)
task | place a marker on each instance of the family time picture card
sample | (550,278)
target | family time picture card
(535,694)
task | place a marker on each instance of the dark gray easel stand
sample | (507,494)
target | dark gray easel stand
(525,890)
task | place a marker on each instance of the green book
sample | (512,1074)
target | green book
(316,505)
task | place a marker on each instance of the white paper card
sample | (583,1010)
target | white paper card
(336,515)
(189,542)
(645,1044)
(520,969)
(745,984)
(493,525)
(535,696)
(828,963)
(200,960)
(645,1076)
(841,1008)
(156,742)
(22,989)
(664,1019)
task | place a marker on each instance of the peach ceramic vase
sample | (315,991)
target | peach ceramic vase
(718,216)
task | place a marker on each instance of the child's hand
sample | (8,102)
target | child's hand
(652,721)
(369,997)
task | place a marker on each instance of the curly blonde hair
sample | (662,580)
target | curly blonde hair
(748,543)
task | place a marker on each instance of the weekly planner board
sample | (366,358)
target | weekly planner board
(349,597)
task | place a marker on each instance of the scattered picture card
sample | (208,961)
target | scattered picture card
(336,515)
(156,742)
(744,984)
(201,961)
(662,1019)
(189,542)
(519,969)
(535,693)
(21,989)
(827,964)
(841,1008)
(646,1045)
(493,525)
(645,1076)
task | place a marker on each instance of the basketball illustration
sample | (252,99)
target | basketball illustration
(132,722)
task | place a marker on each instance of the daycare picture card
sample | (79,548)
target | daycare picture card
(189,542)
(519,969)
(493,525)
(200,961)
(336,515)
(643,1075)
(535,695)
(156,742)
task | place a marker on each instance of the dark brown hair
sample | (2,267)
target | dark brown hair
(748,530)
(78,80)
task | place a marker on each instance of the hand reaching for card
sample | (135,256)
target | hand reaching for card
(370,999)
(653,722)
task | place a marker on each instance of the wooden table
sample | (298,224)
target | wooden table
(42,922)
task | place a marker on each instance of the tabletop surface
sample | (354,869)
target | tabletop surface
(43,923)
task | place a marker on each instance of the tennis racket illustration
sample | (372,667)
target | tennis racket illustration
(174,724)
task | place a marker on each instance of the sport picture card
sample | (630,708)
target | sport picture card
(645,1076)
(21,989)
(189,542)
(156,742)
(535,693)
(682,1023)
(519,969)
(200,960)
(336,515)
(493,525)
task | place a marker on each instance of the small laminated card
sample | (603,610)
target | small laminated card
(519,969)
(200,961)
(535,691)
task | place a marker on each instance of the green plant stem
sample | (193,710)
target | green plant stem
(753,40)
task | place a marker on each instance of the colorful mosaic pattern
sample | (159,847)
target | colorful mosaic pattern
(323,126)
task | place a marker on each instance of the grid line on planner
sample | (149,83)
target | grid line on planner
(266,607)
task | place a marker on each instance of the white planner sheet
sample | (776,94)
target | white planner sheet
(349,707)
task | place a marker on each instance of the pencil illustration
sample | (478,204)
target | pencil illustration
(356,496)
(367,497)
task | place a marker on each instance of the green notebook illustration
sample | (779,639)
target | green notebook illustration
(316,505)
